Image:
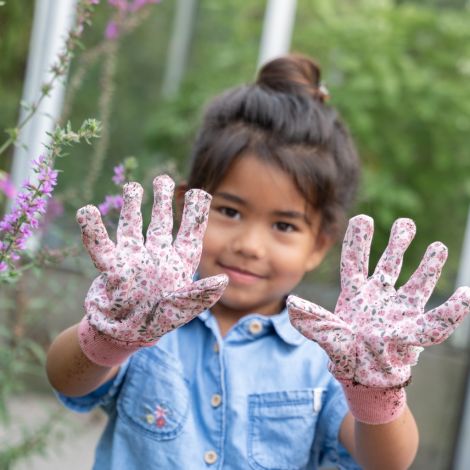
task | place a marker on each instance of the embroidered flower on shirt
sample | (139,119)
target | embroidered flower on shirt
(160,413)
(157,416)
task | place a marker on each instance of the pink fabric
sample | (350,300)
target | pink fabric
(374,405)
(377,332)
(146,287)
(101,349)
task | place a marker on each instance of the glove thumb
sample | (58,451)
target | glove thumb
(328,330)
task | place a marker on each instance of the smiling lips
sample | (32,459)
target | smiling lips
(240,276)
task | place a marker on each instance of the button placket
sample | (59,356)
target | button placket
(210,457)
(216,400)
(255,327)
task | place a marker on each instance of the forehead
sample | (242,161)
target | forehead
(254,180)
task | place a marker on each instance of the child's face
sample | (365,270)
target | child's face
(262,235)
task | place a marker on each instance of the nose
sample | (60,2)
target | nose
(250,242)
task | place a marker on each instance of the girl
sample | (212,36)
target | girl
(210,373)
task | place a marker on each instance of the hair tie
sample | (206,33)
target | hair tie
(322,93)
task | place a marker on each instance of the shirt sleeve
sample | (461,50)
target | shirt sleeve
(104,396)
(330,452)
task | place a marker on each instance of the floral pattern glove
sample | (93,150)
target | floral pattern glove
(377,332)
(145,288)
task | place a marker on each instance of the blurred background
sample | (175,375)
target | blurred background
(399,73)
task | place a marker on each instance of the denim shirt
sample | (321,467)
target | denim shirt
(259,398)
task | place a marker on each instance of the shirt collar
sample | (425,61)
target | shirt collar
(205,315)
(285,330)
(280,322)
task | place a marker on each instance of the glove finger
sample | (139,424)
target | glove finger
(183,305)
(130,220)
(355,253)
(419,287)
(326,329)
(389,265)
(95,238)
(188,243)
(439,323)
(159,232)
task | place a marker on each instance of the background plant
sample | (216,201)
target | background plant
(22,343)
(20,354)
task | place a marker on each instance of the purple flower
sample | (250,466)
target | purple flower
(123,8)
(6,186)
(37,164)
(17,226)
(34,223)
(112,30)
(111,202)
(94,2)
(119,175)
(38,205)
(9,221)
(121,5)
(48,178)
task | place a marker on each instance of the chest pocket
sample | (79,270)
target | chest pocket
(154,399)
(282,429)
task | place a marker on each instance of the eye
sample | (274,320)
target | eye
(229,212)
(285,227)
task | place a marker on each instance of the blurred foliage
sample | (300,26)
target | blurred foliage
(15,25)
(399,75)
(397,71)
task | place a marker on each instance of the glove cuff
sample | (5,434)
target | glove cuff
(102,349)
(372,405)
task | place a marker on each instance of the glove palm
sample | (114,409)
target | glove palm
(146,288)
(377,332)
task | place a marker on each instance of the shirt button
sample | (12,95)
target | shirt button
(216,400)
(210,457)
(255,327)
(216,347)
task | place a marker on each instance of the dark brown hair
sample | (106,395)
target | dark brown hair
(282,119)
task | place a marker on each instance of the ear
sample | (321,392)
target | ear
(323,243)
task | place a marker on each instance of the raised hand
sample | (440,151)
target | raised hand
(377,332)
(145,288)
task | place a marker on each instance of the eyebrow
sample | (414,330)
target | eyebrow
(294,215)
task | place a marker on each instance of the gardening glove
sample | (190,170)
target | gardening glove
(145,289)
(377,332)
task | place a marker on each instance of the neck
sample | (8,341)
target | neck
(227,317)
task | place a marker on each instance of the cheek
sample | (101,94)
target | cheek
(294,263)
(208,240)
(204,267)
(211,242)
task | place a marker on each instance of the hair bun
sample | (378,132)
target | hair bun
(293,73)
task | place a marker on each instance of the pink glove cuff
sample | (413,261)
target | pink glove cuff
(372,405)
(101,349)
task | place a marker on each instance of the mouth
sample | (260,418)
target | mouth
(240,276)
